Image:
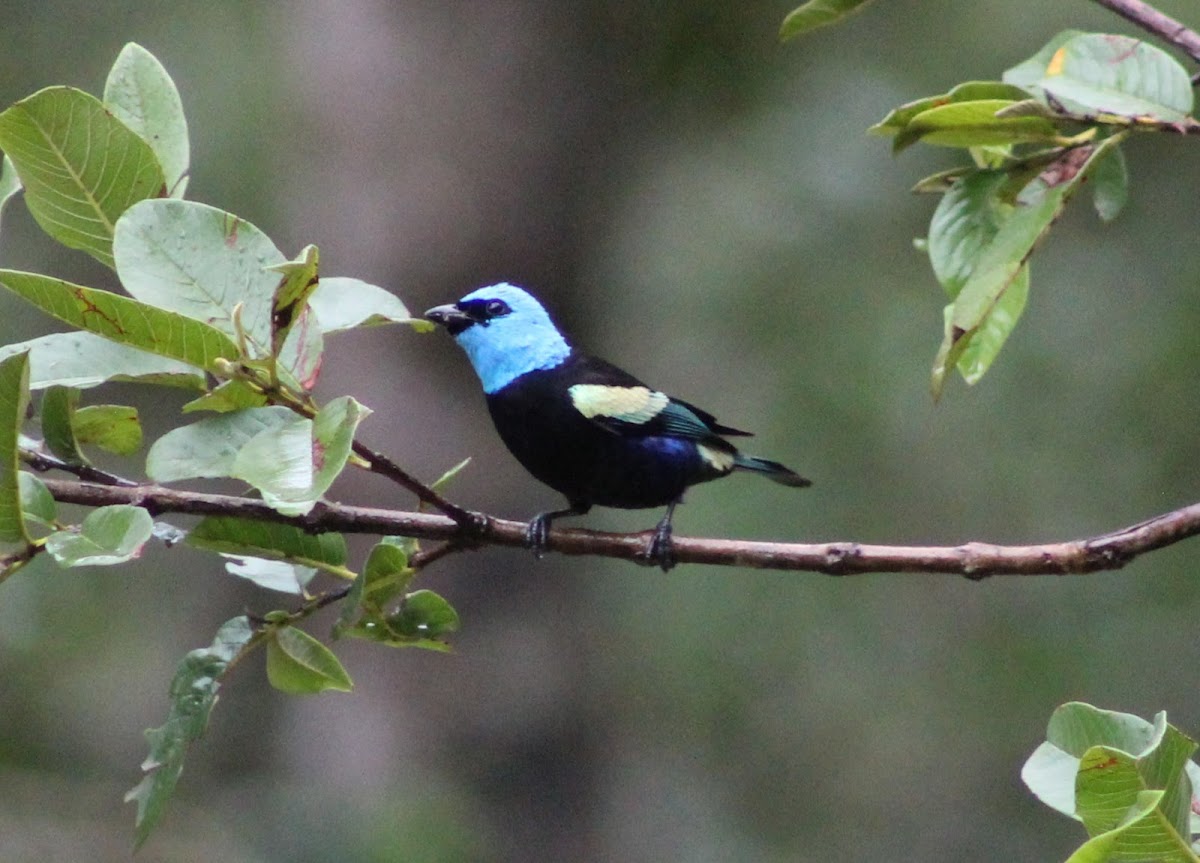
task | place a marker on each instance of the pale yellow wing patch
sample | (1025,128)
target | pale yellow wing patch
(627,404)
(718,459)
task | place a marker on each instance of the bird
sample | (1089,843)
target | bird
(586,428)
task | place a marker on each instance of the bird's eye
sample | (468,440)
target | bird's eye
(496,308)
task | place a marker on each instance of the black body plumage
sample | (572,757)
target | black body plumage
(583,426)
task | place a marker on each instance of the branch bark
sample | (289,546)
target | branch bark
(1152,21)
(974,560)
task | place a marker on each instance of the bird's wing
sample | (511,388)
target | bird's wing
(640,410)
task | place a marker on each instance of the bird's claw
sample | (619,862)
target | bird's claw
(661,550)
(537,534)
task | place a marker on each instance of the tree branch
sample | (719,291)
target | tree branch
(974,560)
(1152,21)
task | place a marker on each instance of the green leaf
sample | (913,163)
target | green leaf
(1101,848)
(58,409)
(273,556)
(1108,789)
(113,428)
(300,665)
(444,480)
(817,13)
(290,299)
(1104,768)
(141,94)
(123,320)
(424,614)
(387,574)
(193,696)
(385,577)
(976,124)
(993,331)
(81,167)
(82,360)
(342,304)
(898,119)
(109,535)
(14,399)
(964,224)
(36,501)
(201,262)
(421,620)
(1110,185)
(229,396)
(10,183)
(1029,72)
(268,540)
(1103,74)
(998,266)
(209,448)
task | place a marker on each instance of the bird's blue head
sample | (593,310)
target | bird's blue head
(505,332)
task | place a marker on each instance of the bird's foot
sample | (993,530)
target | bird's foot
(661,550)
(538,534)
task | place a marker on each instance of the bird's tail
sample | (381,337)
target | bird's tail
(772,470)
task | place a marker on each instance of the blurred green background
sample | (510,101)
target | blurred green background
(701,205)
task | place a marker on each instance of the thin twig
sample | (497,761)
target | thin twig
(384,466)
(43,462)
(975,560)
(1163,26)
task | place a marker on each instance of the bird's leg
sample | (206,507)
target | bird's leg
(538,532)
(661,550)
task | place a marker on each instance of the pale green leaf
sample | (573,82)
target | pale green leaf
(1104,74)
(333,435)
(202,263)
(1102,767)
(303,350)
(209,448)
(141,94)
(342,304)
(109,535)
(81,167)
(277,575)
(81,359)
(123,320)
(278,461)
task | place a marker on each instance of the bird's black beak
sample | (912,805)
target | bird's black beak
(454,319)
